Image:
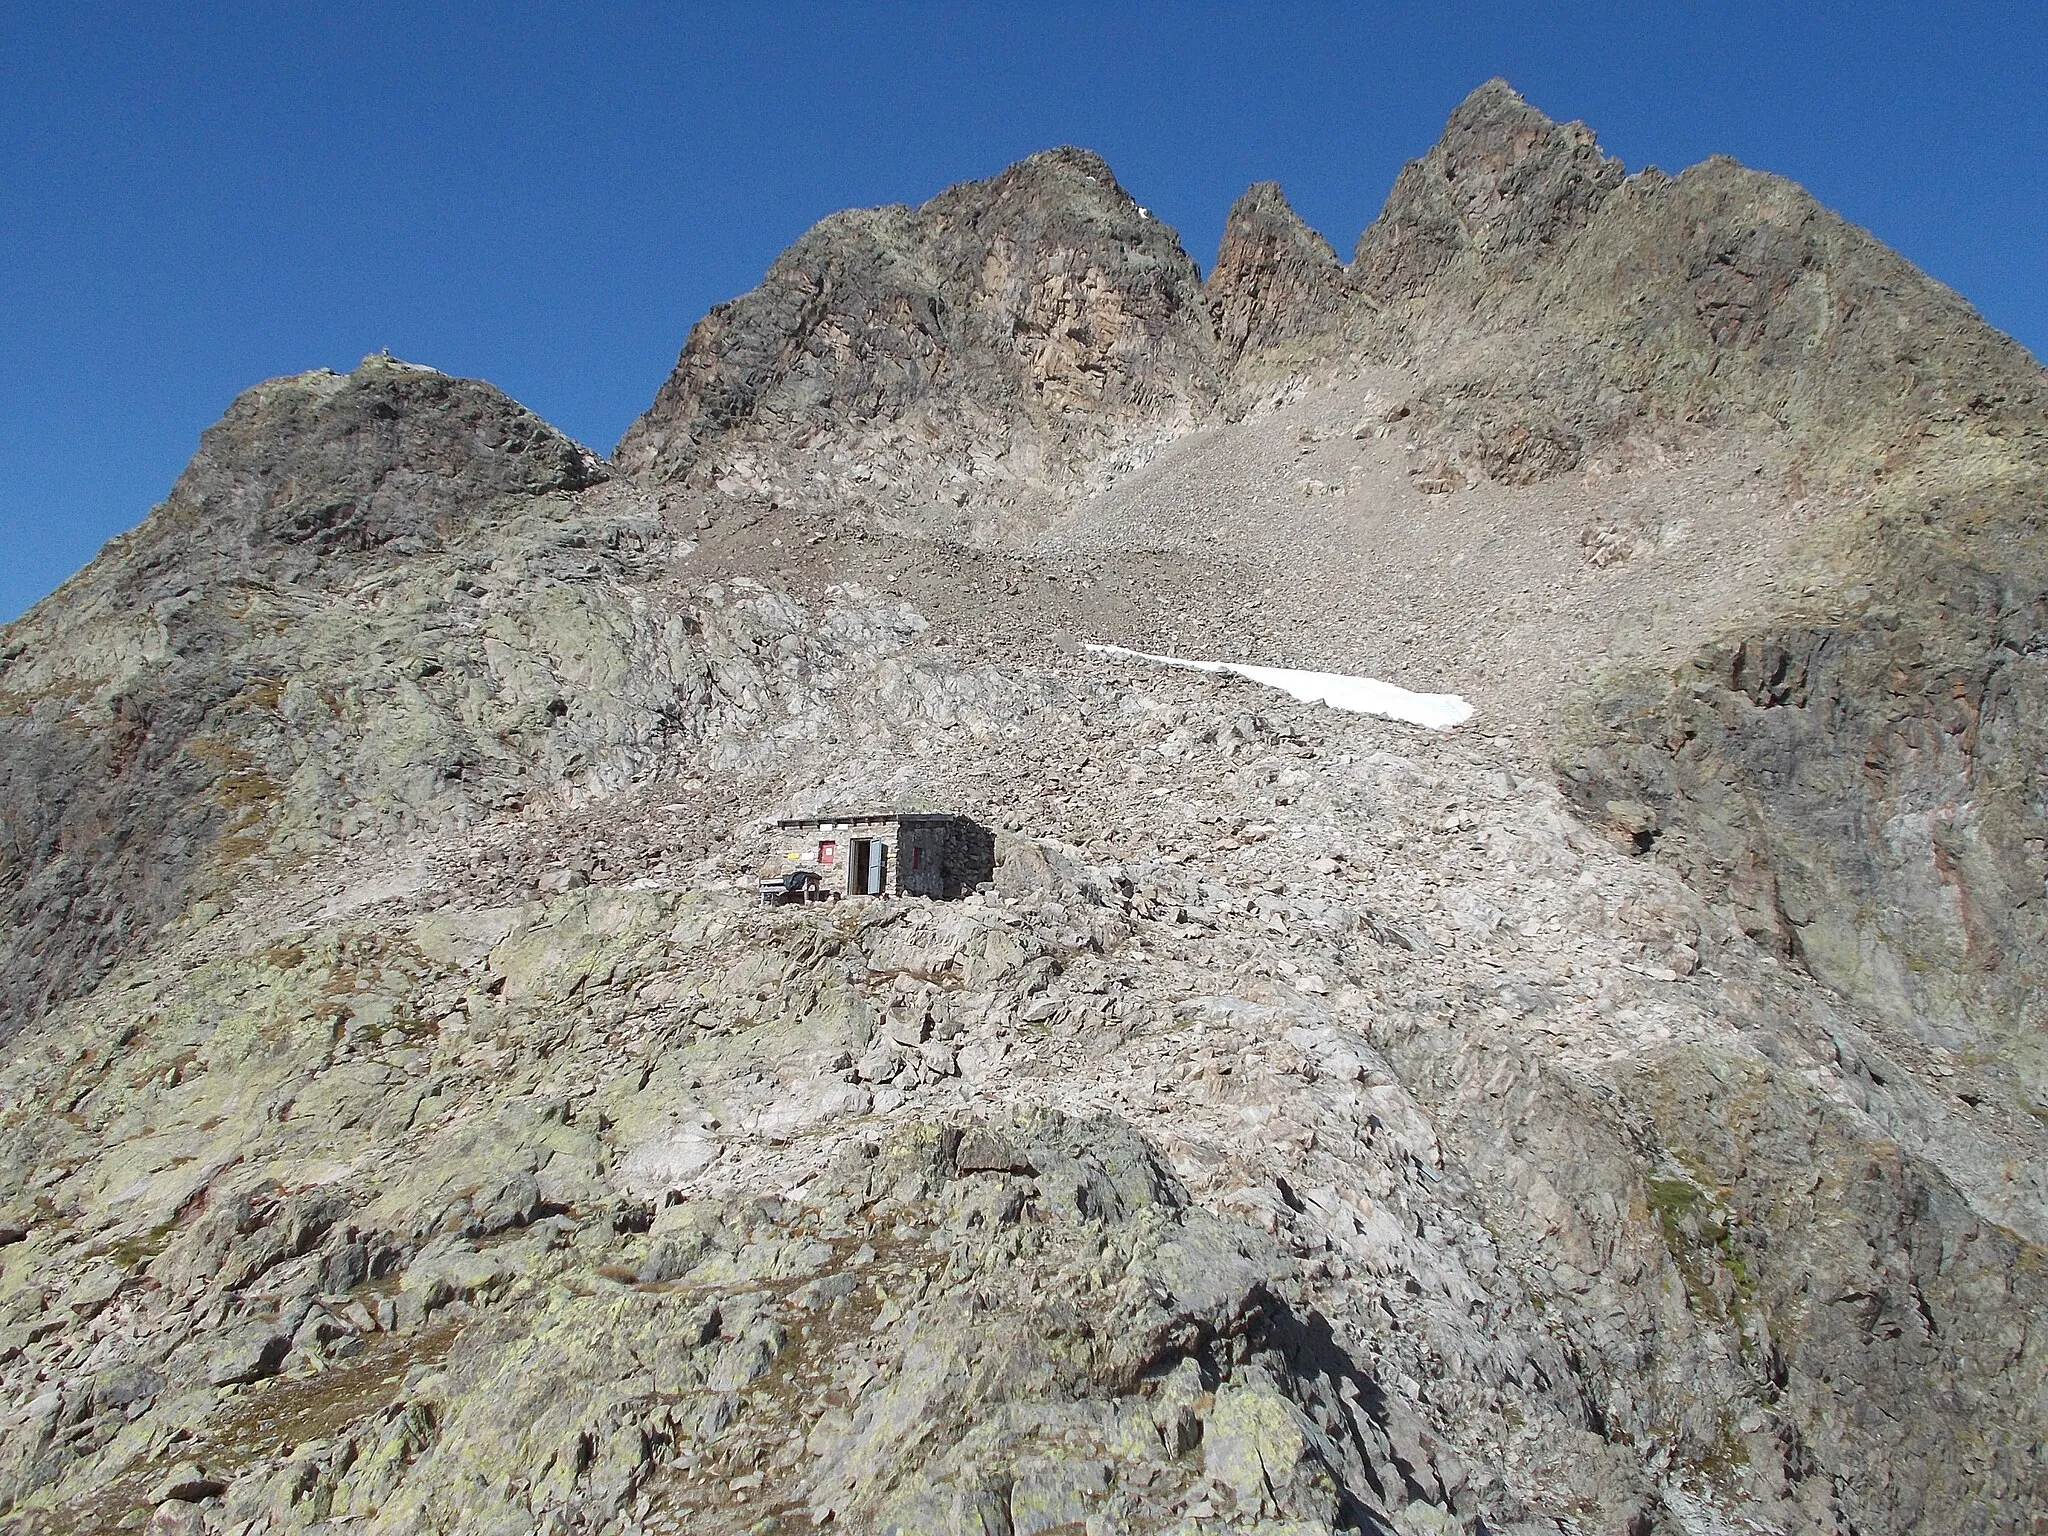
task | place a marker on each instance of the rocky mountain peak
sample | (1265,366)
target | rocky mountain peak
(1275,279)
(1040,321)
(1627,1112)
(393,456)
(1066,171)
(1503,183)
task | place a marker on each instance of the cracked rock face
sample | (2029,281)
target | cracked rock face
(1275,279)
(1005,341)
(1624,1113)
(392,458)
(1502,187)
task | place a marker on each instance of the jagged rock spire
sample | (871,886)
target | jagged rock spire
(1274,279)
(1503,183)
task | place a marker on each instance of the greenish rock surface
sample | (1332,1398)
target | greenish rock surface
(1624,1113)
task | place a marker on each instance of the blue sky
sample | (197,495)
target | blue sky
(548,195)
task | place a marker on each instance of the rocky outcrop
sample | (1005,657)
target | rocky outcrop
(1500,192)
(1275,281)
(393,459)
(1846,764)
(1008,339)
(1849,771)
(1864,790)
(1863,1289)
(148,709)
(1555,308)
(1728,296)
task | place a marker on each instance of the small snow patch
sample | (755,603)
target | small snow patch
(1358,695)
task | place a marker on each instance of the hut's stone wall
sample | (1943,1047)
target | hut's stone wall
(921,854)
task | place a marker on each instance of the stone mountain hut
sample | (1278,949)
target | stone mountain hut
(884,853)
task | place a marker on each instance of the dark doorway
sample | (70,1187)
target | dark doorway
(867,867)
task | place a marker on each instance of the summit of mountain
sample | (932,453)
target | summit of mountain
(393,457)
(149,702)
(1275,280)
(1503,187)
(989,348)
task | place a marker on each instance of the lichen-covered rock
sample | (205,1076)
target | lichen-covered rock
(412,1121)
(1264,1448)
(248,1355)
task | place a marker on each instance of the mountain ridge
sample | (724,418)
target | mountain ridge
(1626,1112)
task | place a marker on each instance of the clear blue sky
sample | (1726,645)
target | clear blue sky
(199,196)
